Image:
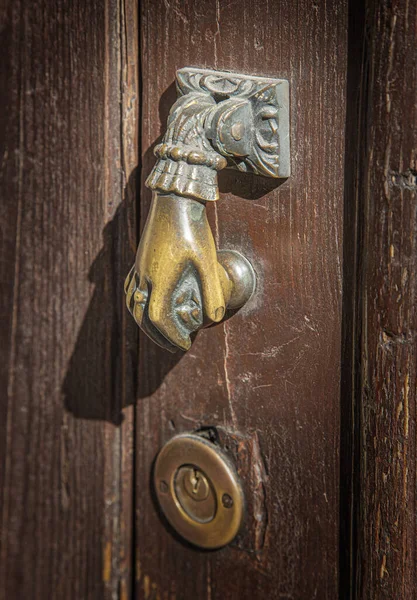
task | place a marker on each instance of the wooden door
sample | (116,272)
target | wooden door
(311,388)
(269,378)
(68,81)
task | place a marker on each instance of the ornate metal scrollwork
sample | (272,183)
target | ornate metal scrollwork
(180,282)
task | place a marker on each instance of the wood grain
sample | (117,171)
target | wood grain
(68,79)
(271,373)
(353,224)
(386,518)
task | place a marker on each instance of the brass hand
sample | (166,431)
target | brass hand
(177,284)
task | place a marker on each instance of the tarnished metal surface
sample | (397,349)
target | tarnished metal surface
(199,491)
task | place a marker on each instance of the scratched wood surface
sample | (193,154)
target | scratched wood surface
(268,378)
(68,77)
(387,498)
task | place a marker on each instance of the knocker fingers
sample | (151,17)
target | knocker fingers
(136,295)
(179,307)
(214,301)
(168,315)
(136,290)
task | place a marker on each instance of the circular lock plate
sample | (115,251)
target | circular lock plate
(199,491)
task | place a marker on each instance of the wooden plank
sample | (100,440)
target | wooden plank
(271,373)
(68,78)
(352,313)
(386,554)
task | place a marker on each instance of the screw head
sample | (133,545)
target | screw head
(227,501)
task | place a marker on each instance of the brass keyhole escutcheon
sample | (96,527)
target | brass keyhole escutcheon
(199,491)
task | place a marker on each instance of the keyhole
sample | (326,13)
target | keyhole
(196,484)
(195,481)
(195,493)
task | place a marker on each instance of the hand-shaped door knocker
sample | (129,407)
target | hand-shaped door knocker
(180,282)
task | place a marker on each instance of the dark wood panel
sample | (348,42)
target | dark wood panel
(271,373)
(387,517)
(68,78)
(355,151)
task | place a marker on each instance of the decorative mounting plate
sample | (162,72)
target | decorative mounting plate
(254,132)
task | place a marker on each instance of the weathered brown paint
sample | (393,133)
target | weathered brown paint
(268,378)
(68,80)
(386,498)
(270,373)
